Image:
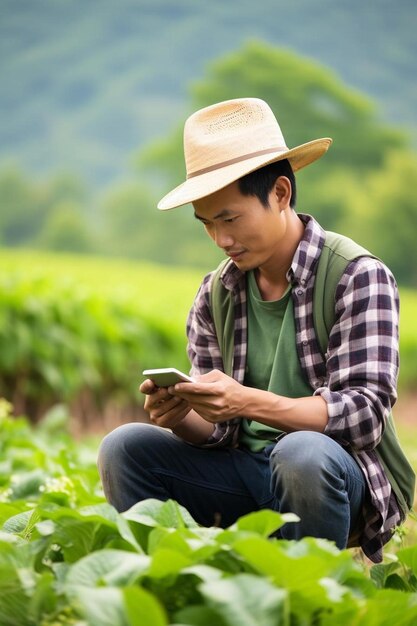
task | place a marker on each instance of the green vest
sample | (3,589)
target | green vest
(338,251)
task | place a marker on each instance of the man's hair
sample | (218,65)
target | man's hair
(260,182)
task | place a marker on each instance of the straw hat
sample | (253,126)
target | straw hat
(225,141)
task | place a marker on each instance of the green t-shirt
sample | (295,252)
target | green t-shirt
(272,362)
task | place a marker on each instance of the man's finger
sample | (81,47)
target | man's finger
(193,389)
(148,387)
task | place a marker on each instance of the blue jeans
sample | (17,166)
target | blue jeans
(306,473)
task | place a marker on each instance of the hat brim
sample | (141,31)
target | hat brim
(205,184)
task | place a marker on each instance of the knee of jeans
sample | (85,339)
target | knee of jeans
(116,444)
(300,456)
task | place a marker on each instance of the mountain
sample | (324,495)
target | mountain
(84,83)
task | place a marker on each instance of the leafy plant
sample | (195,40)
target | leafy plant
(68,558)
(62,341)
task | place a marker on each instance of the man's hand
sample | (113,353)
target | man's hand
(215,396)
(164,409)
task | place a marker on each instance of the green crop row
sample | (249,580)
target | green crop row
(67,558)
(80,330)
(62,342)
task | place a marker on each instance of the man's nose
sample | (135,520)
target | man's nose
(222,239)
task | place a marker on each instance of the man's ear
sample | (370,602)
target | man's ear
(283,192)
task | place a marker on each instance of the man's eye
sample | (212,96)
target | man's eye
(229,220)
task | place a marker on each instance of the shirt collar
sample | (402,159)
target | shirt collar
(308,251)
(303,263)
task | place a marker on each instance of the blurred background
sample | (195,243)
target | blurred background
(95,283)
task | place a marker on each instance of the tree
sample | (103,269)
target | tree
(127,229)
(383,216)
(67,230)
(27,206)
(21,212)
(308,100)
(133,227)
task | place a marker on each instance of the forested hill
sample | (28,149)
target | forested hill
(86,82)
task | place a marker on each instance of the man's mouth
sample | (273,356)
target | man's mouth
(235,254)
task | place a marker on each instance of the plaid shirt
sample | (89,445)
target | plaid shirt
(357,378)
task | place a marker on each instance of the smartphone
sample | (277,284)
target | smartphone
(167,376)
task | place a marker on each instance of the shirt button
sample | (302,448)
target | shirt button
(305,342)
(300,292)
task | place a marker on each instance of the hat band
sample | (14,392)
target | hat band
(244,157)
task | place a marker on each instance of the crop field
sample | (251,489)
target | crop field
(162,291)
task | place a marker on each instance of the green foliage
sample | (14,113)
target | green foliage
(67,557)
(85,334)
(131,226)
(408,339)
(46,214)
(66,230)
(129,229)
(21,213)
(383,214)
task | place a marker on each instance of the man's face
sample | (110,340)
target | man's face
(249,233)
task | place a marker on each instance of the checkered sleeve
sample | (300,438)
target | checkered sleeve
(204,354)
(362,358)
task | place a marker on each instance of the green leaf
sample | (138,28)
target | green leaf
(247,600)
(168,538)
(299,567)
(44,599)
(127,534)
(380,572)
(16,552)
(199,616)
(166,562)
(8,538)
(102,511)
(394,581)
(264,522)
(80,532)
(142,608)
(14,601)
(102,607)
(45,528)
(151,513)
(22,523)
(389,607)
(167,514)
(107,567)
(205,572)
(408,556)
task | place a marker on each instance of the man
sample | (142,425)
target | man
(290,426)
